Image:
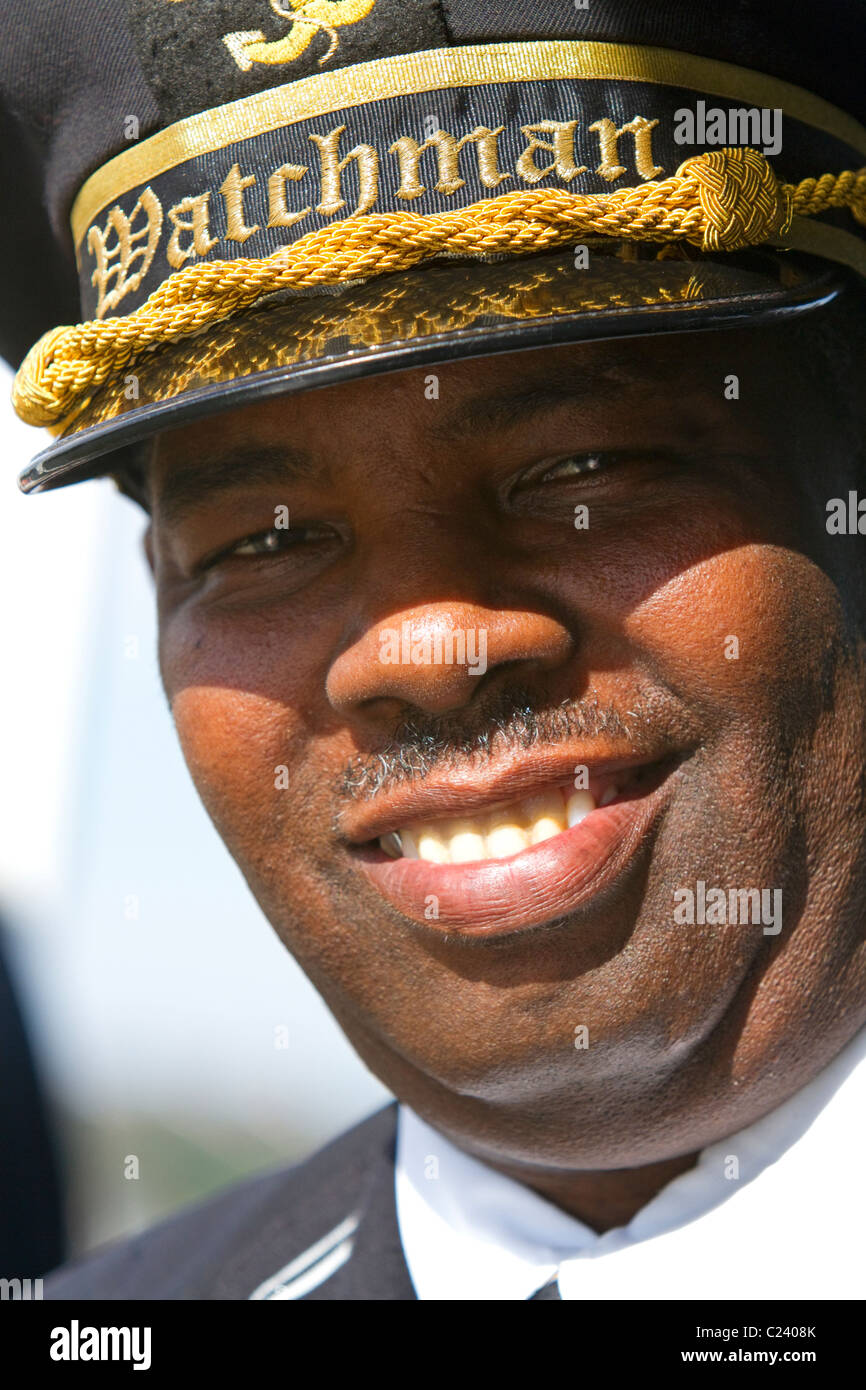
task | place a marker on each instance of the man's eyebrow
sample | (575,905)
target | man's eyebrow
(188,485)
(510,405)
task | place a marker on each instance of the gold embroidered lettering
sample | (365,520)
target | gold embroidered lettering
(126,255)
(608,139)
(332,172)
(278,210)
(199,225)
(232,190)
(448,148)
(561,147)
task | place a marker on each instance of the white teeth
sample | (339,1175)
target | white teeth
(466,845)
(431,848)
(546,815)
(544,829)
(496,834)
(609,796)
(504,840)
(410,845)
(578,805)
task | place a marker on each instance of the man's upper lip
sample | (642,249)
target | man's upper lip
(471,790)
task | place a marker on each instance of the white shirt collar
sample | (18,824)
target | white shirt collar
(791,1224)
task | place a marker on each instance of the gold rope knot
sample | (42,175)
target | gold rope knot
(742,201)
(36,371)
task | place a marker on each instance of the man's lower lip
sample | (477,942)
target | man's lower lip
(549,880)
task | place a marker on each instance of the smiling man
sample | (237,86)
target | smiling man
(508,640)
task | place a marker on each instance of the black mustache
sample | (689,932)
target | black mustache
(427,743)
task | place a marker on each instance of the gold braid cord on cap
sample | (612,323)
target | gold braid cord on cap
(722,200)
(401,308)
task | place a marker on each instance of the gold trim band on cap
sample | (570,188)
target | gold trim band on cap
(822,239)
(439,69)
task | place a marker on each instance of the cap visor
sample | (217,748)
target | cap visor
(437,313)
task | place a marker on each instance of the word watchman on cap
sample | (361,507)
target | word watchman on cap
(488,674)
(257,198)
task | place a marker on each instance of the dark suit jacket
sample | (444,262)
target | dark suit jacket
(32,1235)
(326,1229)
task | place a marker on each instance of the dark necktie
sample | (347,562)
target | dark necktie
(549,1291)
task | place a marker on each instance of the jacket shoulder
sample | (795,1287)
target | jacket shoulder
(225,1246)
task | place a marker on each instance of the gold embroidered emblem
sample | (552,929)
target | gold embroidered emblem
(308,18)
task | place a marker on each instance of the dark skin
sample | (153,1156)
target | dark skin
(707,519)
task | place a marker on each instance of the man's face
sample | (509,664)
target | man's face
(542,578)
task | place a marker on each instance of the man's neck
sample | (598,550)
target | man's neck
(602,1200)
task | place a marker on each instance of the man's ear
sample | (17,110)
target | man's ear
(147,546)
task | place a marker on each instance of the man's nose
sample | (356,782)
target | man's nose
(435,656)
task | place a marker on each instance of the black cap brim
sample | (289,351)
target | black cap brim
(443,312)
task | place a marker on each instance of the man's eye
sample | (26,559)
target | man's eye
(575,466)
(556,470)
(275,541)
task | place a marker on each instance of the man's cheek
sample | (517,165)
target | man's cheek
(729,629)
(238,748)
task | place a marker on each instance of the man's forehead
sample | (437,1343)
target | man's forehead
(281,439)
(645,389)
(488,392)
